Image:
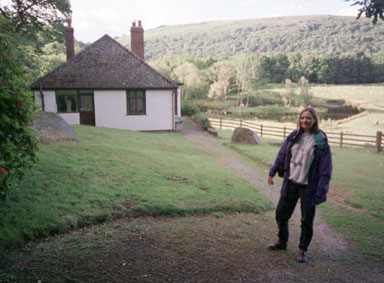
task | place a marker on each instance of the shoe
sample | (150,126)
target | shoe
(276,247)
(302,257)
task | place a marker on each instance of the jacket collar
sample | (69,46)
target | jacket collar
(320,138)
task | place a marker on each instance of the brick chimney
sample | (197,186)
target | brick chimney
(69,40)
(137,39)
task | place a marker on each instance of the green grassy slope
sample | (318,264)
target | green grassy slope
(114,173)
(325,34)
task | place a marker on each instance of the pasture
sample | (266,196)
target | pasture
(369,97)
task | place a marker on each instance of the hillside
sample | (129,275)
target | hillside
(324,34)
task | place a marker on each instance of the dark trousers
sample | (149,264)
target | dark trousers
(284,211)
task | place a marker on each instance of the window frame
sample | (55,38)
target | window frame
(136,97)
(57,95)
(79,92)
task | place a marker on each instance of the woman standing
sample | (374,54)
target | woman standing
(306,160)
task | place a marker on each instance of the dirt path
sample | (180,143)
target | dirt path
(231,248)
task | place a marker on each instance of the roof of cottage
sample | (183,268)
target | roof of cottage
(105,64)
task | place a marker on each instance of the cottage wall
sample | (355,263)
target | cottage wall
(51,106)
(111,111)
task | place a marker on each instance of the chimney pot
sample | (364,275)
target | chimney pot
(139,23)
(133,23)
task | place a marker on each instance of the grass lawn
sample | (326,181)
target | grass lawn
(114,173)
(355,201)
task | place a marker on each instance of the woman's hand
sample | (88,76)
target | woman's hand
(270,181)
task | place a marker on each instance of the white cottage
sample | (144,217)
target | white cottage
(109,86)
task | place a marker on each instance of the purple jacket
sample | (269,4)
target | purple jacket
(320,167)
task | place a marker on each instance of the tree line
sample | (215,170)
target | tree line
(215,78)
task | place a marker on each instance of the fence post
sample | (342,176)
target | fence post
(379,137)
(261,130)
(285,129)
(341,139)
(221,123)
(241,123)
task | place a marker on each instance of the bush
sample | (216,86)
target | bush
(189,109)
(265,98)
(203,121)
(205,105)
(17,142)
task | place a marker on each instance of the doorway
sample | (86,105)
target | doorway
(87,109)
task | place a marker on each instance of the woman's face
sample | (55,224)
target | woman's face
(306,121)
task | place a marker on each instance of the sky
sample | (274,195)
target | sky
(92,19)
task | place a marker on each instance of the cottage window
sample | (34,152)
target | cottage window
(67,101)
(136,102)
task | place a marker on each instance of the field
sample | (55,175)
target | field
(369,97)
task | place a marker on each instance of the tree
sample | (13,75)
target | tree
(251,75)
(295,69)
(17,143)
(353,69)
(305,96)
(371,8)
(36,19)
(36,23)
(378,67)
(279,67)
(162,67)
(195,83)
(318,68)
(289,97)
(220,73)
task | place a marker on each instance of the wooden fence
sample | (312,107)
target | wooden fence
(340,138)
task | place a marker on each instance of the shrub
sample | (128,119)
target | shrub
(205,105)
(203,121)
(189,109)
(265,98)
(17,142)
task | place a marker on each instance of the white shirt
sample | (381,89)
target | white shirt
(301,153)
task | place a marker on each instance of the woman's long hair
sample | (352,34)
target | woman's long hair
(315,127)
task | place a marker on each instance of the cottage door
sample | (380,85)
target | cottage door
(87,110)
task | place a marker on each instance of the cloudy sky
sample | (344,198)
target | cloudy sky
(94,18)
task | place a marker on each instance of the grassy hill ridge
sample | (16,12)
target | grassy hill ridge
(324,34)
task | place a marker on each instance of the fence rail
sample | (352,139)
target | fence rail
(340,138)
